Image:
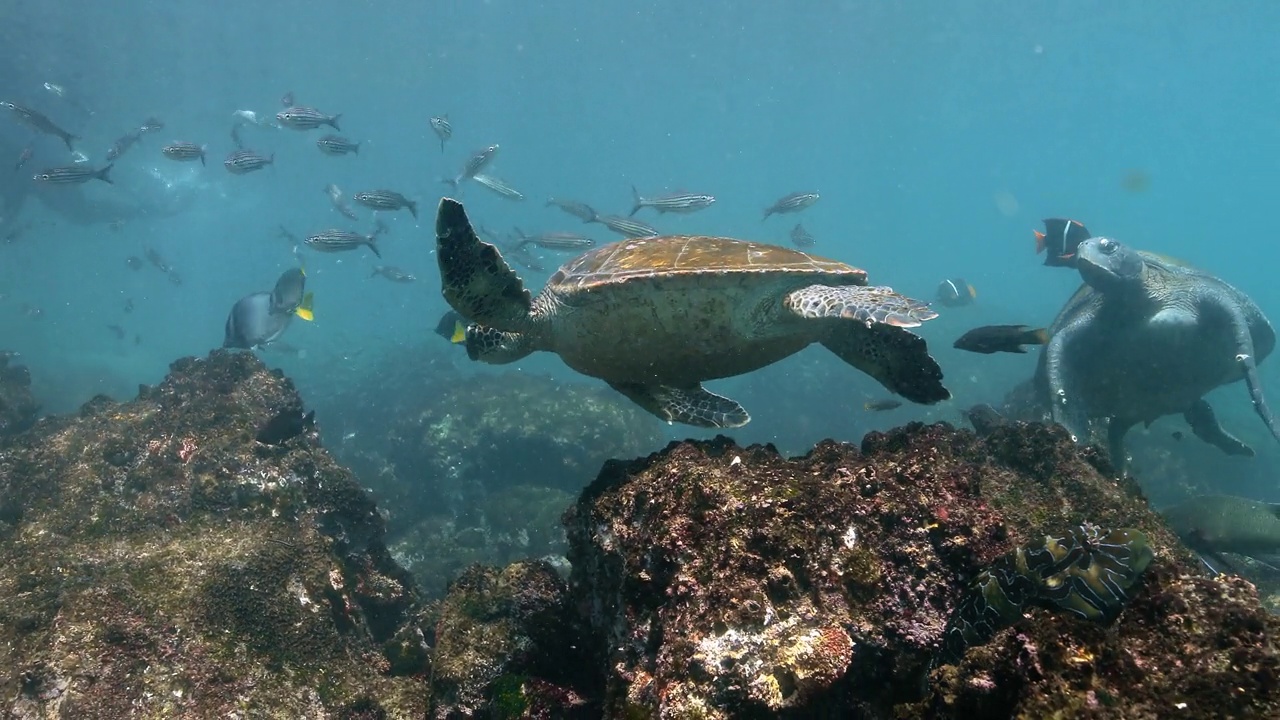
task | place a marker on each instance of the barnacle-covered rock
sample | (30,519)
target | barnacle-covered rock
(726,582)
(157,561)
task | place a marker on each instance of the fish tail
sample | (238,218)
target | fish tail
(334,121)
(1039,336)
(373,245)
(767,213)
(305,309)
(413,209)
(452,328)
(202,151)
(67,138)
(973,292)
(1040,243)
(356,148)
(105,174)
(639,201)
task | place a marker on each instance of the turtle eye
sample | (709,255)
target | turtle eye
(1108,247)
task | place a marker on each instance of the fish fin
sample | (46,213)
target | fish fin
(356,150)
(1041,245)
(373,245)
(973,292)
(1039,336)
(105,174)
(413,209)
(305,308)
(638,201)
(452,328)
(459,335)
(334,121)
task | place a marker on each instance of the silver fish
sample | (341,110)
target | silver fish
(392,273)
(626,227)
(337,145)
(286,100)
(184,151)
(801,237)
(340,202)
(442,128)
(525,259)
(476,163)
(672,202)
(306,118)
(556,240)
(121,146)
(498,186)
(795,202)
(73,175)
(152,124)
(385,200)
(39,122)
(582,211)
(24,156)
(340,241)
(241,162)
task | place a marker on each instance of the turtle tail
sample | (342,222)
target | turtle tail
(476,281)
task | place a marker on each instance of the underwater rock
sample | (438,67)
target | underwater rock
(728,582)
(18,409)
(507,646)
(157,561)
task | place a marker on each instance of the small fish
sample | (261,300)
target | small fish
(184,152)
(174,278)
(262,317)
(117,331)
(56,89)
(155,259)
(241,162)
(285,426)
(555,241)
(39,122)
(443,130)
(392,273)
(795,202)
(498,186)
(582,211)
(337,145)
(801,237)
(286,100)
(1001,338)
(1059,240)
(133,262)
(306,118)
(73,175)
(250,117)
(151,124)
(956,293)
(339,201)
(32,311)
(671,202)
(475,164)
(24,156)
(521,255)
(128,305)
(332,241)
(452,327)
(627,227)
(122,145)
(385,200)
(881,405)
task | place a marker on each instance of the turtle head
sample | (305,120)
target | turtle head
(1107,266)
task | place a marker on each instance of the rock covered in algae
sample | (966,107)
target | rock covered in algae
(156,561)
(18,407)
(728,582)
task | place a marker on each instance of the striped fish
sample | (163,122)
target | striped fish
(39,122)
(332,241)
(183,151)
(442,128)
(476,163)
(626,227)
(241,162)
(801,237)
(73,175)
(306,118)
(498,186)
(385,200)
(556,241)
(337,145)
(795,202)
(582,211)
(671,202)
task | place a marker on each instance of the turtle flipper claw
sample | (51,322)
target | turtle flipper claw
(692,405)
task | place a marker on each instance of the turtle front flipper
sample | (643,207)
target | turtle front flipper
(864,304)
(476,281)
(1246,359)
(1204,423)
(1066,409)
(693,405)
(496,347)
(896,358)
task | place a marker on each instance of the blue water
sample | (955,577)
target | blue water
(938,138)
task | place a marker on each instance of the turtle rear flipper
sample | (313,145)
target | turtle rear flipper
(1204,423)
(854,302)
(896,358)
(476,281)
(690,405)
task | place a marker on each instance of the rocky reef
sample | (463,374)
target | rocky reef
(18,409)
(716,581)
(195,553)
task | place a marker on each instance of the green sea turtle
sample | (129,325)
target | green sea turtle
(655,317)
(1147,336)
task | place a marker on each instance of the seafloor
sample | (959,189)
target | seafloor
(164,558)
